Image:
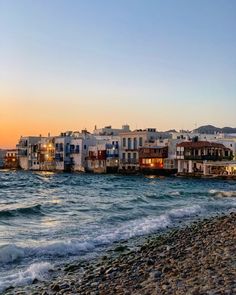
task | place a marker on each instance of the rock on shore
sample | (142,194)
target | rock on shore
(199,259)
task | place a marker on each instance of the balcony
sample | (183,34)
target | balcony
(59,157)
(208,158)
(129,149)
(75,151)
(22,153)
(112,146)
(129,161)
(112,156)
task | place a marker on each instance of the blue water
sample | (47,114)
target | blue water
(48,219)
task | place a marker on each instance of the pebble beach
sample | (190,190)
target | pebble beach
(197,259)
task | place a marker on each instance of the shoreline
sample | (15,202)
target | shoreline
(199,258)
(135,173)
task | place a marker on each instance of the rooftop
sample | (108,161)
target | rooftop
(200,144)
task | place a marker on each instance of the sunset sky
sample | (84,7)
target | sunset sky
(69,65)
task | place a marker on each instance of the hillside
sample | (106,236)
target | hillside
(210,129)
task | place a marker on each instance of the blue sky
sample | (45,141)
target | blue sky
(166,64)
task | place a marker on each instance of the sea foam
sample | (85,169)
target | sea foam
(37,271)
(185,211)
(175,193)
(217,193)
(106,236)
(10,253)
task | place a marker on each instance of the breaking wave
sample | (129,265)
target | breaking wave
(175,193)
(10,253)
(36,271)
(185,211)
(28,210)
(226,194)
(138,227)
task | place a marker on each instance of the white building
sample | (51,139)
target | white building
(46,155)
(108,130)
(103,157)
(28,151)
(79,148)
(130,142)
(193,156)
(62,151)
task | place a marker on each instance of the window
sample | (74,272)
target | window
(77,148)
(124,142)
(123,156)
(129,143)
(140,141)
(85,147)
(61,147)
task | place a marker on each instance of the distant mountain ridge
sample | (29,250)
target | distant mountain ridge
(210,129)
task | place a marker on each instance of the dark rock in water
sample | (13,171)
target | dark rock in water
(71,267)
(64,286)
(150,262)
(35,281)
(55,287)
(156,274)
(121,248)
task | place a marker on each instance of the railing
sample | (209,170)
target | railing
(129,161)
(59,157)
(75,151)
(22,153)
(59,149)
(112,156)
(153,155)
(131,149)
(112,146)
(208,158)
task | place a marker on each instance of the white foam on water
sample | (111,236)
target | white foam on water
(10,253)
(63,248)
(175,193)
(185,211)
(226,194)
(105,236)
(146,225)
(134,228)
(37,271)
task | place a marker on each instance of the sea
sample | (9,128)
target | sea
(48,219)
